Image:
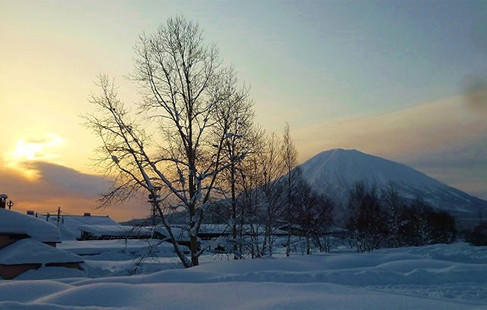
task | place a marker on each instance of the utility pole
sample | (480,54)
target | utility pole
(154,199)
(58,215)
(3,200)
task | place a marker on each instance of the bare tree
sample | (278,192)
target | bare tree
(289,155)
(367,221)
(393,203)
(237,121)
(249,179)
(180,144)
(125,143)
(311,214)
(272,167)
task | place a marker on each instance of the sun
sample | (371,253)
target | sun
(33,149)
(36,148)
(26,151)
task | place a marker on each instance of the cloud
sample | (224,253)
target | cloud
(446,139)
(476,94)
(49,139)
(424,128)
(464,167)
(68,180)
(57,185)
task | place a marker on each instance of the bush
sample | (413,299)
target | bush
(421,225)
(374,222)
(478,236)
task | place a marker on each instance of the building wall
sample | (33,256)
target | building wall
(11,271)
(53,244)
(8,272)
(67,265)
(6,239)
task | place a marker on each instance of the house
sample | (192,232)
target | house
(180,234)
(108,232)
(28,253)
(27,242)
(16,226)
(212,231)
(70,226)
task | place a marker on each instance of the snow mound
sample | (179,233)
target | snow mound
(15,290)
(29,251)
(434,277)
(52,273)
(239,296)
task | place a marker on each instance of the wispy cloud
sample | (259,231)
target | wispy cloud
(476,94)
(414,131)
(56,185)
(443,138)
(68,180)
(464,166)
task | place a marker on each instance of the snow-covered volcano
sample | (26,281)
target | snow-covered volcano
(334,172)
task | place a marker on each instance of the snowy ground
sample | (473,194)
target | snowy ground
(434,277)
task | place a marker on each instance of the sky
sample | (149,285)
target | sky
(384,77)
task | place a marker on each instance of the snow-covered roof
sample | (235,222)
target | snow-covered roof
(113,230)
(17,223)
(69,227)
(215,228)
(30,251)
(227,229)
(179,234)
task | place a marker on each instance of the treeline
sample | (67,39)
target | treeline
(375,219)
(263,197)
(478,235)
(384,219)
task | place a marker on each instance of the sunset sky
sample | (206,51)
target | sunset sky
(384,77)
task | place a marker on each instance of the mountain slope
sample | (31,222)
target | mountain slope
(334,172)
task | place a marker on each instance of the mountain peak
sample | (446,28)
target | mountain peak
(334,172)
(341,154)
(338,151)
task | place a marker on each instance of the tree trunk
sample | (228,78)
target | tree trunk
(308,245)
(234,208)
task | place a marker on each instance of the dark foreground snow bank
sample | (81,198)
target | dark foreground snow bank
(434,277)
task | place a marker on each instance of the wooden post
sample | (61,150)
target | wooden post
(58,215)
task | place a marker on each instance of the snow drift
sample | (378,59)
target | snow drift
(434,277)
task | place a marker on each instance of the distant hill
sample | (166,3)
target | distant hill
(334,172)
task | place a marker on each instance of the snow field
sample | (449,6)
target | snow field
(434,277)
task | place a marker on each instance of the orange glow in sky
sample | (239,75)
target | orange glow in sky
(381,77)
